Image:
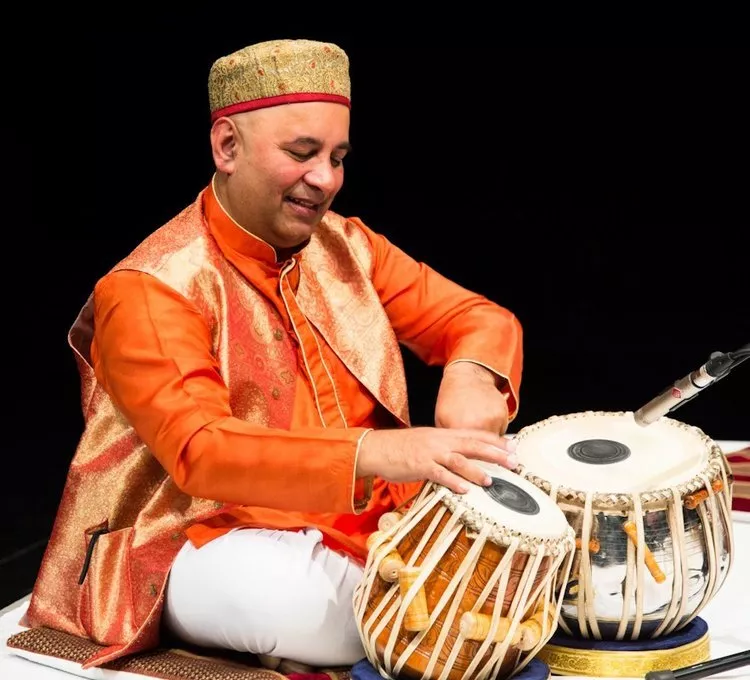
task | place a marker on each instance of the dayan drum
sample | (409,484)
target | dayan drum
(651,508)
(464,586)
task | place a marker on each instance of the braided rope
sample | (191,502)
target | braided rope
(503,535)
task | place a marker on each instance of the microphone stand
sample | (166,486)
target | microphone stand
(704,669)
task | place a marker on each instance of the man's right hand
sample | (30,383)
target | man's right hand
(434,454)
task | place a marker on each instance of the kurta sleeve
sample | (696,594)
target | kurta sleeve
(442,322)
(152,353)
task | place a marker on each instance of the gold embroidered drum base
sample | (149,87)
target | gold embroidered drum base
(622,663)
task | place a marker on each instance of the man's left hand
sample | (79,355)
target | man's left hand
(469,397)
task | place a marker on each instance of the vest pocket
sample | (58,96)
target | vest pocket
(106,602)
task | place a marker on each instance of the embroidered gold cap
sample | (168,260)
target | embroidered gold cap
(278,72)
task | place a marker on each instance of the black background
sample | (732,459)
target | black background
(601,194)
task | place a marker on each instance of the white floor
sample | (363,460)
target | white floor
(728,618)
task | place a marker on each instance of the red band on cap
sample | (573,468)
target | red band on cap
(265,102)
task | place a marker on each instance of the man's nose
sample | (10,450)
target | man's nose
(322,176)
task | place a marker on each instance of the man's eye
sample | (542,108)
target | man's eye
(302,156)
(336,162)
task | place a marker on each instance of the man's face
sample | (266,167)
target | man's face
(287,169)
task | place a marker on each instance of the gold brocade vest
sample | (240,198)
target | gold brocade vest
(121,519)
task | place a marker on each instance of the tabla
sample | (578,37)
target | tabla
(651,508)
(426,605)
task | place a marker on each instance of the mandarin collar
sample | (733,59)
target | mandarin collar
(236,237)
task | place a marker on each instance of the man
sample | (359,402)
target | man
(246,416)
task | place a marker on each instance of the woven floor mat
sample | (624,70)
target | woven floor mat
(165,664)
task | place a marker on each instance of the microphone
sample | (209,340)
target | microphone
(717,366)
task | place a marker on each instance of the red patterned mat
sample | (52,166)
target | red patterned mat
(739,461)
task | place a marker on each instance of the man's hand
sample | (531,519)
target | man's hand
(469,397)
(433,454)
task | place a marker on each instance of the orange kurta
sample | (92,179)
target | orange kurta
(152,353)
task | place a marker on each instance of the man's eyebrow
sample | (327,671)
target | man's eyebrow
(313,141)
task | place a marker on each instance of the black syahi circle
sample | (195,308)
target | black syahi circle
(511,496)
(598,451)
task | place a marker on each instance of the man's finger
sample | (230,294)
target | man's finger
(490,453)
(442,475)
(462,466)
(488,437)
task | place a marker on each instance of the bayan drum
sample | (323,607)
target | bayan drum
(464,586)
(651,508)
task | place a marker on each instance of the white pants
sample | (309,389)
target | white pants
(280,593)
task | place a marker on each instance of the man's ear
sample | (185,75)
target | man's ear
(224,143)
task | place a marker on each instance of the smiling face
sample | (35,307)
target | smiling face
(279,168)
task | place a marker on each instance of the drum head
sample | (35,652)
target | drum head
(514,502)
(610,453)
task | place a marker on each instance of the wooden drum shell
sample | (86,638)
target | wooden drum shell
(435,586)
